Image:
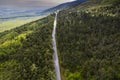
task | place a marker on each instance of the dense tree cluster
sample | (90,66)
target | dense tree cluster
(31,58)
(88,43)
(107,10)
(89,46)
(114,2)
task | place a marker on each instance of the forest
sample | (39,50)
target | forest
(88,43)
(26,52)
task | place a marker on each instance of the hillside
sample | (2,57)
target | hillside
(26,52)
(88,43)
(64,5)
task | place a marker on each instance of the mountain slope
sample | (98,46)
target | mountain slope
(26,52)
(64,5)
(88,39)
(88,43)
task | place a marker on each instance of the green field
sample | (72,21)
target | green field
(10,24)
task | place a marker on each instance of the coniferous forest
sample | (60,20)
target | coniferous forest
(26,52)
(88,43)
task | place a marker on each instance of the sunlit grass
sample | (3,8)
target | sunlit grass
(10,24)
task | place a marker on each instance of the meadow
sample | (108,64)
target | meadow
(13,23)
